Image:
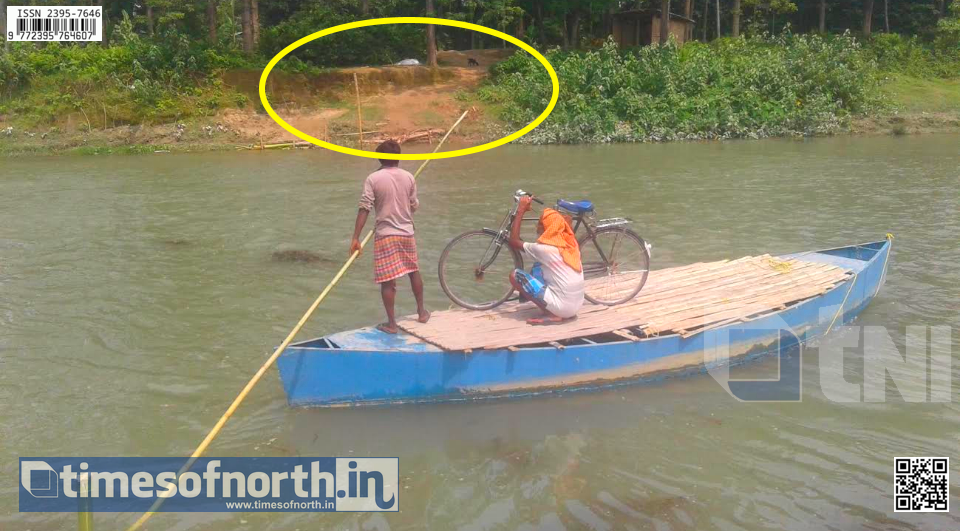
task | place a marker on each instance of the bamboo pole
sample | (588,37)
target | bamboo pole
(355,134)
(85,515)
(276,354)
(356,84)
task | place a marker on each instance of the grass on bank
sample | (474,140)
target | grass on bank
(915,95)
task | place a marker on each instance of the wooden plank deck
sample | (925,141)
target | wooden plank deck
(683,300)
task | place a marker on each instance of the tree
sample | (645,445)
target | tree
(764,11)
(431,38)
(886,15)
(867,17)
(823,16)
(149,19)
(664,21)
(706,10)
(246,23)
(718,18)
(212,22)
(948,29)
(500,14)
(3,23)
(736,18)
(255,21)
(572,24)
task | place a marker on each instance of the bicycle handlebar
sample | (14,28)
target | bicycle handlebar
(521,193)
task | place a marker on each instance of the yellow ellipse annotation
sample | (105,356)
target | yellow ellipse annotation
(410,20)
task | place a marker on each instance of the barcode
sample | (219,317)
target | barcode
(54,23)
(57,24)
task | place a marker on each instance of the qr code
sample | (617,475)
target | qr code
(922,484)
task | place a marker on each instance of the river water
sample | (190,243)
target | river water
(138,294)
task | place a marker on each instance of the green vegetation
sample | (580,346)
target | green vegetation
(133,81)
(912,57)
(746,87)
(764,67)
(916,95)
(733,88)
(377,45)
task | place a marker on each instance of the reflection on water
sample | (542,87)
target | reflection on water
(138,294)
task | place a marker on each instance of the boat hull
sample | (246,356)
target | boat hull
(366,366)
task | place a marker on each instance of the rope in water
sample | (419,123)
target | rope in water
(883,271)
(276,354)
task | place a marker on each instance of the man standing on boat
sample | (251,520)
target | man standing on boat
(392,193)
(555,283)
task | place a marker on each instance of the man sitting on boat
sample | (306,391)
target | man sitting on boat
(555,283)
(392,192)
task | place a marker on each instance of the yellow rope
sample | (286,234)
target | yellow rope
(840,310)
(276,354)
(883,272)
(780,266)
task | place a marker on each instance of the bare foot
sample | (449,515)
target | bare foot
(424,316)
(387,328)
(553,319)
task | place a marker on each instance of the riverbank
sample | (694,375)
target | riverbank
(915,107)
(412,103)
(416,112)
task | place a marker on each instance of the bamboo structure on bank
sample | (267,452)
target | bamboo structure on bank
(356,85)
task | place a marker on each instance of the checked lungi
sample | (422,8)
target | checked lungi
(394,257)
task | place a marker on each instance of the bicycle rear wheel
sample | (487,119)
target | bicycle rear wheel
(616,263)
(475,269)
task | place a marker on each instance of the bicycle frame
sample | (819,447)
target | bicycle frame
(592,235)
(503,233)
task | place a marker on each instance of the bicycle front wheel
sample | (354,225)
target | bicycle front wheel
(475,269)
(616,263)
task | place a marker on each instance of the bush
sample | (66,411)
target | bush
(136,78)
(913,57)
(732,88)
(948,34)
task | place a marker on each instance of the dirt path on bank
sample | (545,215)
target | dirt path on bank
(397,102)
(394,112)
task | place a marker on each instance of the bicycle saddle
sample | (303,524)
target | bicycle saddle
(576,206)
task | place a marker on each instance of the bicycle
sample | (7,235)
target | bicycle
(615,259)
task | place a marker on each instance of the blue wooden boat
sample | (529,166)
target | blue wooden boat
(459,356)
